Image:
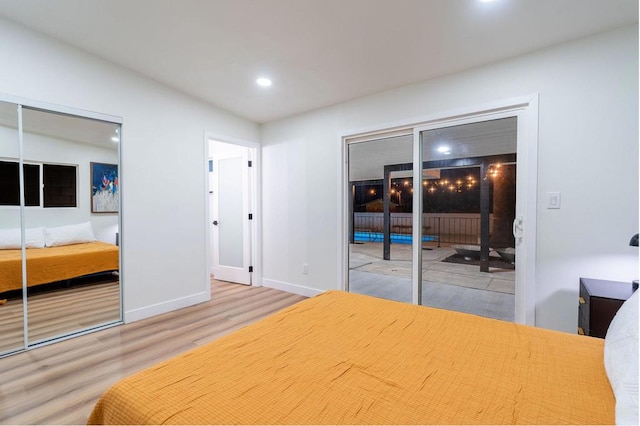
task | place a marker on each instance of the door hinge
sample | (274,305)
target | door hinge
(250,216)
(250,268)
(250,163)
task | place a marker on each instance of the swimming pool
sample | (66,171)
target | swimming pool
(377,237)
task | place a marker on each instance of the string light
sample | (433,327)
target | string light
(454,186)
(494,171)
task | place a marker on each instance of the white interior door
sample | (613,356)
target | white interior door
(230,209)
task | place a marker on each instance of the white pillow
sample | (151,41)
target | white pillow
(621,360)
(69,234)
(10,238)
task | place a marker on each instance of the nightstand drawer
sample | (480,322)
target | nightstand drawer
(598,302)
(603,310)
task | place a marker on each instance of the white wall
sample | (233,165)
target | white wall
(588,150)
(163,168)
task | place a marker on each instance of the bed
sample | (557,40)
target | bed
(341,358)
(51,264)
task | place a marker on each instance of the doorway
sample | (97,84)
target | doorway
(482,145)
(230,181)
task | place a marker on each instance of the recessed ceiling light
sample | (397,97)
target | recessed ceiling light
(443,149)
(115,139)
(264,82)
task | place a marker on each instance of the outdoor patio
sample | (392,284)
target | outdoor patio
(453,286)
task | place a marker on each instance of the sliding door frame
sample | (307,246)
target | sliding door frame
(525,109)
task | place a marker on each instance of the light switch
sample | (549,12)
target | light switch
(553,200)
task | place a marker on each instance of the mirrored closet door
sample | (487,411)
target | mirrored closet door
(69,216)
(11,294)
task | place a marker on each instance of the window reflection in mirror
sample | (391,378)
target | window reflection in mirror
(72,268)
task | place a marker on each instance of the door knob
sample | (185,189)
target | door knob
(215,222)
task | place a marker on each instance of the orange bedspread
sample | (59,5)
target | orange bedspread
(52,264)
(341,358)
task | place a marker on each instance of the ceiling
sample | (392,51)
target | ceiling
(317,52)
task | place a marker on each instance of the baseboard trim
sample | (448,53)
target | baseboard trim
(164,307)
(290,288)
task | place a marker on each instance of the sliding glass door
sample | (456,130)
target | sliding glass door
(468,207)
(436,213)
(381,218)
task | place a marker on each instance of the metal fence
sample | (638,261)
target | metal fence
(444,228)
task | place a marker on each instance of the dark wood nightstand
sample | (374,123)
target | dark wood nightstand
(599,302)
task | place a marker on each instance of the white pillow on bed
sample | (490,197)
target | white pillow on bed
(10,238)
(69,234)
(621,360)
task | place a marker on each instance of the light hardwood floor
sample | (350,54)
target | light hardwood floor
(60,383)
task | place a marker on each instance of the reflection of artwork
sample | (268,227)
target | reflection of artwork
(104,188)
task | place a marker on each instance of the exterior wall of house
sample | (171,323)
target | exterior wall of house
(588,150)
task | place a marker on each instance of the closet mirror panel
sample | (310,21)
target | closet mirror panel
(11,298)
(73,280)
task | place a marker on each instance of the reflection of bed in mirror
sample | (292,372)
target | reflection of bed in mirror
(63,253)
(51,264)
